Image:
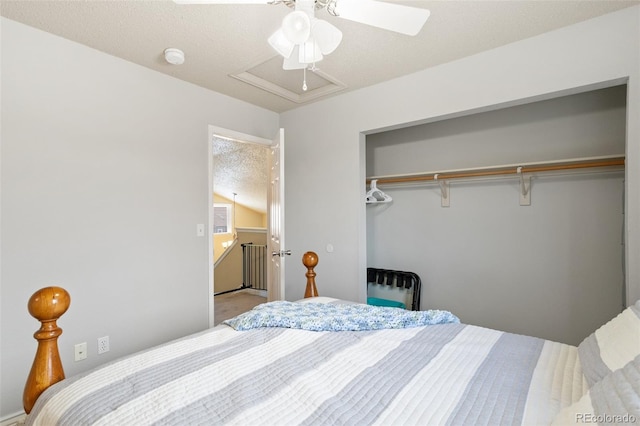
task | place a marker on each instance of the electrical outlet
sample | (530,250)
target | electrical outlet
(103,344)
(80,351)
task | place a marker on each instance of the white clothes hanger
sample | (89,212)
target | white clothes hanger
(375,195)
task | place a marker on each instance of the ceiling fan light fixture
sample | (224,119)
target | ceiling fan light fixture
(326,35)
(309,52)
(281,44)
(296,27)
(292,62)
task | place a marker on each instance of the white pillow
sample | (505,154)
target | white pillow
(613,400)
(611,346)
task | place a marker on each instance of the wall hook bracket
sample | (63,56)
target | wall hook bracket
(444,191)
(525,188)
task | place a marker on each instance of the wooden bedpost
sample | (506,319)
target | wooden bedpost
(46,305)
(310,260)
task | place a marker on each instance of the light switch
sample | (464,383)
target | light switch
(200,230)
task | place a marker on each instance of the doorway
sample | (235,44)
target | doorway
(275,206)
(240,180)
(238,216)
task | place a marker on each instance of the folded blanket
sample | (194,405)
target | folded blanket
(335,317)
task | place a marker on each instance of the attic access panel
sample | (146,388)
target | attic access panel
(269,75)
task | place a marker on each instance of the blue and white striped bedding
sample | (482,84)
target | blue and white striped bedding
(430,375)
(611,346)
(613,400)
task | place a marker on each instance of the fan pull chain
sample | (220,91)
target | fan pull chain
(304,81)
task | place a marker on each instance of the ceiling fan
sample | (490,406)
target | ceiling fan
(303,39)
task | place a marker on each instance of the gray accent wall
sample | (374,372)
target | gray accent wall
(553,269)
(104,178)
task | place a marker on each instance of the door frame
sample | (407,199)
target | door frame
(240,137)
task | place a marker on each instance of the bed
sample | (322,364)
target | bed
(374,372)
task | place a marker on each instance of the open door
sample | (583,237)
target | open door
(275,232)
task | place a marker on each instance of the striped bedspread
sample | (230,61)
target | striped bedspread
(432,375)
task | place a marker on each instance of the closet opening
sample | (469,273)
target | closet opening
(552,267)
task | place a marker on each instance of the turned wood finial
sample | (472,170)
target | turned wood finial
(310,260)
(46,305)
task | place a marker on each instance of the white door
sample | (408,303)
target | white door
(275,240)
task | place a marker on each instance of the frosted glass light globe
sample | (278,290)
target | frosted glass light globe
(296,27)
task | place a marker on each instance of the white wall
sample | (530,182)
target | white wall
(552,269)
(104,178)
(328,153)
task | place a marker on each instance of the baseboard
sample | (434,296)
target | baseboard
(15,419)
(255,292)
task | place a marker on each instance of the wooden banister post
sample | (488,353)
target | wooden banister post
(310,260)
(46,305)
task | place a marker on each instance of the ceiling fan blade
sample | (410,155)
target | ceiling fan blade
(221,1)
(393,17)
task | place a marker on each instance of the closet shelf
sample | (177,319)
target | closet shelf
(509,169)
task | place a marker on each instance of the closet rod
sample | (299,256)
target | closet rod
(504,170)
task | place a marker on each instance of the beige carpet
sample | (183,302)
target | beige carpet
(231,304)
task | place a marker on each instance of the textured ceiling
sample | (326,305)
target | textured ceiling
(224,40)
(241,168)
(227,51)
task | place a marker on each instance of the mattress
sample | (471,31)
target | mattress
(438,374)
